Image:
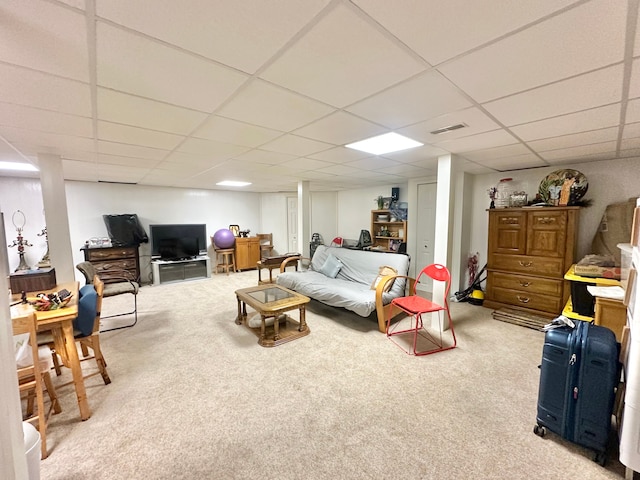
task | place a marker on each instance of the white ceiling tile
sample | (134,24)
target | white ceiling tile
(633,111)
(516,162)
(35,89)
(262,156)
(372,163)
(631,130)
(497,152)
(475,119)
(57,143)
(634,83)
(241,34)
(137,65)
(130,110)
(580,151)
(226,130)
(586,120)
(340,170)
(80,171)
(339,155)
(341,59)
(423,97)
(546,52)
(43,36)
(405,169)
(440,30)
(414,155)
(191,161)
(127,161)
(114,132)
(133,151)
(269,106)
(595,89)
(630,143)
(575,140)
(118,173)
(304,164)
(295,145)
(475,142)
(44,120)
(216,150)
(340,128)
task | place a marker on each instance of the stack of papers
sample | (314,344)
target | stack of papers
(616,293)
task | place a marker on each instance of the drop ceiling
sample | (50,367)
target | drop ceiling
(187,94)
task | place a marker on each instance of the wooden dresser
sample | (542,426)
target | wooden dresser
(247,252)
(109,262)
(530,250)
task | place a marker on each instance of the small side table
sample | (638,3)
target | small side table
(273,263)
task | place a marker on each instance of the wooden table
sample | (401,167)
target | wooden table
(272,263)
(272,301)
(60,323)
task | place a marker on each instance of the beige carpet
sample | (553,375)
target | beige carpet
(193,396)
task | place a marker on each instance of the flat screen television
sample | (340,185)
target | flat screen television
(178,241)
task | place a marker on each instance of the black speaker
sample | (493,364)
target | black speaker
(395,193)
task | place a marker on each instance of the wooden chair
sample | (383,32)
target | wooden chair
(415,306)
(122,285)
(266,244)
(86,329)
(34,379)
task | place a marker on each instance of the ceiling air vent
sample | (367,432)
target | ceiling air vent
(449,128)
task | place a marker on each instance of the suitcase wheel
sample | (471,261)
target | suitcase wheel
(600,458)
(540,431)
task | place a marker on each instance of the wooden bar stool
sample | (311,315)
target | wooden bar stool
(225,260)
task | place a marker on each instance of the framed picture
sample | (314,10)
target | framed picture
(394,245)
(235,229)
(386,203)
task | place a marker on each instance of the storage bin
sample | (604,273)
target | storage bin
(625,261)
(583,302)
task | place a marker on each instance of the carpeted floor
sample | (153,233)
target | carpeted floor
(193,396)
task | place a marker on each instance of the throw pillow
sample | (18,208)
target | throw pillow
(383,272)
(331,266)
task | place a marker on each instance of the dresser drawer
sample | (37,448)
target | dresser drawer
(116,265)
(523,283)
(536,301)
(97,254)
(546,266)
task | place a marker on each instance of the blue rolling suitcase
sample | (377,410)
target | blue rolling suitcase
(579,375)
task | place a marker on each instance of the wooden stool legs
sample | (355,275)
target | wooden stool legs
(225,260)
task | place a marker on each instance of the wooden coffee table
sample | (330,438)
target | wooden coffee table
(272,301)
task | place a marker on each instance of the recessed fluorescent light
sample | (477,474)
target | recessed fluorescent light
(18,166)
(386,143)
(233,183)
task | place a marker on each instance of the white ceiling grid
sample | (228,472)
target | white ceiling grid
(186,94)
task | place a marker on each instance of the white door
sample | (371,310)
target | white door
(292,224)
(425,230)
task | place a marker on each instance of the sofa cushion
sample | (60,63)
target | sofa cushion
(331,266)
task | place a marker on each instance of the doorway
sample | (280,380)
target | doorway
(292,224)
(425,230)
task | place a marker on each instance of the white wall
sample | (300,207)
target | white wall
(610,181)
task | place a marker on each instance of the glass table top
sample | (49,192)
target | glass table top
(271,294)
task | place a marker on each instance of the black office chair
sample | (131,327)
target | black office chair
(123,285)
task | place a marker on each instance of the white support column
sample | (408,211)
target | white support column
(13,463)
(55,211)
(442,251)
(304,218)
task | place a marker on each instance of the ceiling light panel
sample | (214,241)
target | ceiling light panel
(386,143)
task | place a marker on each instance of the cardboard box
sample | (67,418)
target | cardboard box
(595,271)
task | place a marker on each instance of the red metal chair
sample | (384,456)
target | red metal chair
(336,242)
(415,306)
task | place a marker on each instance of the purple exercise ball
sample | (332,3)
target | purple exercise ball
(224,238)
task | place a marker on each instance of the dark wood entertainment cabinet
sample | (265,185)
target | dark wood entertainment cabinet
(110,262)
